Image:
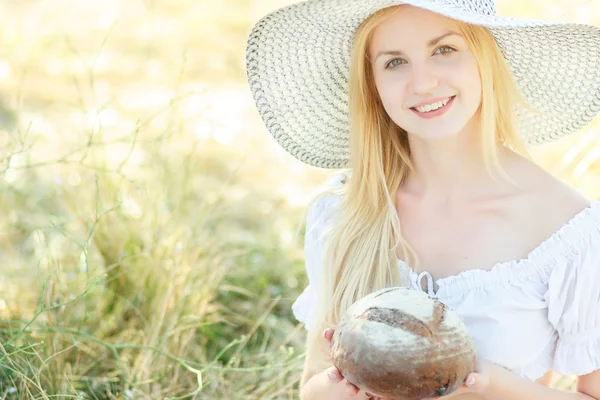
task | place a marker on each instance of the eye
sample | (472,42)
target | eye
(391,64)
(444,50)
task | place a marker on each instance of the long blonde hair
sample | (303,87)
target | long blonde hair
(360,253)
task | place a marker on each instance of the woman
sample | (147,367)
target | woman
(430,105)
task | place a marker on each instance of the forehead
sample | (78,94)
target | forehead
(409,25)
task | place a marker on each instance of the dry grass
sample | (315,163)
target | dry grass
(149,242)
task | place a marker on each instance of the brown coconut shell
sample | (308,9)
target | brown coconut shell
(403,344)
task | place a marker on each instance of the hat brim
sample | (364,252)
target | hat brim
(297,65)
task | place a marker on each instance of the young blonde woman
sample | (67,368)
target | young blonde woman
(428,107)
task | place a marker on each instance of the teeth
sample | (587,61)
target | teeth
(434,106)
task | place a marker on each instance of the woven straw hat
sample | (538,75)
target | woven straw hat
(298,60)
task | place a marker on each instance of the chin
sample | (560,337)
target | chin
(438,136)
(430,130)
(435,134)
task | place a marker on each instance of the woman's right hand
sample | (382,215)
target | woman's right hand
(352,391)
(335,376)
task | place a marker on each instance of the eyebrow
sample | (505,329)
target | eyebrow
(431,43)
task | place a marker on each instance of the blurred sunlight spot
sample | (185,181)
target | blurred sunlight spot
(583,14)
(103,62)
(54,67)
(272,320)
(38,124)
(237,192)
(83,267)
(154,68)
(104,117)
(144,99)
(286,237)
(2,304)
(223,115)
(590,158)
(223,135)
(4,70)
(553,11)
(131,207)
(298,168)
(38,243)
(74,178)
(292,282)
(10,175)
(227,102)
(577,149)
(13,169)
(108,117)
(294,195)
(202,129)
(107,18)
(121,153)
(265,207)
(75,67)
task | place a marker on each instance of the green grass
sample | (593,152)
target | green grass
(150,241)
(146,284)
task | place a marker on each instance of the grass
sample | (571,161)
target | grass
(150,241)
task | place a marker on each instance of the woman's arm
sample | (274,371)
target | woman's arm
(589,384)
(497,383)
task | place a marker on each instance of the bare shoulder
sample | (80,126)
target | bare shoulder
(549,201)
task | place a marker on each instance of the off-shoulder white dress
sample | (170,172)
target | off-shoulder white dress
(531,315)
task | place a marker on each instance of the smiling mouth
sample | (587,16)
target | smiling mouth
(430,107)
(428,112)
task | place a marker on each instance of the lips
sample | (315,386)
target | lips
(439,100)
(434,113)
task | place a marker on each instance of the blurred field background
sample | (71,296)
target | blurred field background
(151,229)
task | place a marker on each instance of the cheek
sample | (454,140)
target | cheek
(468,78)
(391,92)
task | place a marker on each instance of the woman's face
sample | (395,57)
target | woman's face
(429,64)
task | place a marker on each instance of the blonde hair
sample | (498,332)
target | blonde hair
(360,249)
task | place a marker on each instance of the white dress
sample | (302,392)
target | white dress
(531,315)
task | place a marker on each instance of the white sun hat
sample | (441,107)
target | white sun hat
(298,60)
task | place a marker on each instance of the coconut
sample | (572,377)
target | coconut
(403,344)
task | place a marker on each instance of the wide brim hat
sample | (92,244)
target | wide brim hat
(298,63)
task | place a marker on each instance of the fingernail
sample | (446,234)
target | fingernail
(470,380)
(332,375)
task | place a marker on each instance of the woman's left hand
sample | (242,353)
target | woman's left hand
(475,382)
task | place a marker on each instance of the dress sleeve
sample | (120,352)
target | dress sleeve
(318,216)
(574,305)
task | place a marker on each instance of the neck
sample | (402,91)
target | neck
(449,170)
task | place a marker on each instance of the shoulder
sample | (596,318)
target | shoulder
(549,202)
(326,199)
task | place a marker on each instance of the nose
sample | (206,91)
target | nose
(423,79)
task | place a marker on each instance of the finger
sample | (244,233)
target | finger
(470,379)
(473,381)
(328,335)
(351,389)
(334,375)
